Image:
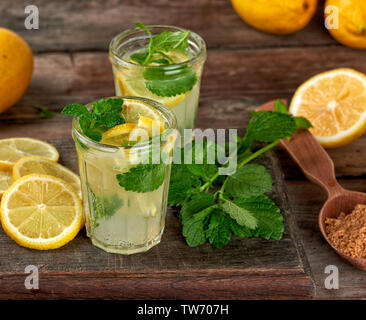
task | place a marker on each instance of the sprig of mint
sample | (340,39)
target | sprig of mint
(44,112)
(162,81)
(103,207)
(214,207)
(104,114)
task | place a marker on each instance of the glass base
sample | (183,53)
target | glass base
(126,250)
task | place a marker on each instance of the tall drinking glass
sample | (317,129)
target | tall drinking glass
(120,220)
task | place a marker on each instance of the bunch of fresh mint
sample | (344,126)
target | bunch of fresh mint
(215,207)
(104,114)
(166,78)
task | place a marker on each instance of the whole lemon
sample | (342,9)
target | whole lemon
(16,68)
(351,30)
(276,16)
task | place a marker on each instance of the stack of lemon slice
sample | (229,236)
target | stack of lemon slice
(40,199)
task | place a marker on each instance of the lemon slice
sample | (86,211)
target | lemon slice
(39,165)
(134,109)
(13,149)
(41,212)
(118,134)
(131,82)
(5,180)
(335,103)
(151,126)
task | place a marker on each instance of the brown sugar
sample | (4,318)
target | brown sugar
(348,232)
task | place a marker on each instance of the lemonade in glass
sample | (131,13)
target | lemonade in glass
(163,63)
(124,146)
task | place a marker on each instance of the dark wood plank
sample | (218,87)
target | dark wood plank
(306,201)
(230,77)
(90,25)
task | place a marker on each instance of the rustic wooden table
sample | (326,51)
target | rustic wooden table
(244,69)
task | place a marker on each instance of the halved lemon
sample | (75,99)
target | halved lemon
(5,180)
(41,212)
(335,103)
(118,134)
(13,149)
(30,165)
(134,109)
(131,82)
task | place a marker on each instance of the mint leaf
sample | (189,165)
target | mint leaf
(219,230)
(240,231)
(194,230)
(197,203)
(302,123)
(44,113)
(143,178)
(249,180)
(76,111)
(182,185)
(280,106)
(199,162)
(171,41)
(103,207)
(268,215)
(241,211)
(140,56)
(268,126)
(169,82)
(165,82)
(107,112)
(194,216)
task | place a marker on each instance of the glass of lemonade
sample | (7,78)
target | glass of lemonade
(172,74)
(124,192)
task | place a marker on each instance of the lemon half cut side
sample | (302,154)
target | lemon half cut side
(335,103)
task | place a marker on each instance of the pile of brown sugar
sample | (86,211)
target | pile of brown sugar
(348,232)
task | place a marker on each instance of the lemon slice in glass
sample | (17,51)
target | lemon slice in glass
(132,83)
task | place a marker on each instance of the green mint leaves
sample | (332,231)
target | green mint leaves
(170,79)
(169,83)
(44,112)
(105,114)
(214,207)
(143,178)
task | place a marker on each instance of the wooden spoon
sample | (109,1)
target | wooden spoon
(318,167)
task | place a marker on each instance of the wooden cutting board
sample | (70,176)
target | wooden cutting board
(245,268)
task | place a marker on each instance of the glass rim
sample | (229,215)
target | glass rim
(168,117)
(201,55)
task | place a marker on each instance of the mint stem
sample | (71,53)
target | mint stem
(256,154)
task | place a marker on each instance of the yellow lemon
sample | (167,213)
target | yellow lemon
(13,149)
(41,212)
(30,165)
(16,68)
(276,16)
(351,30)
(335,103)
